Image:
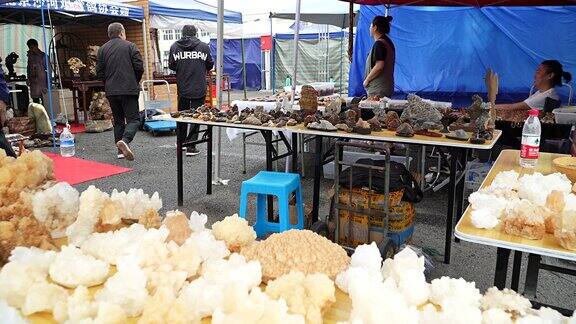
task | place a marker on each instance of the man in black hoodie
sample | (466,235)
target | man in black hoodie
(120,66)
(191,59)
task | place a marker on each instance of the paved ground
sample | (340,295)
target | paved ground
(155,170)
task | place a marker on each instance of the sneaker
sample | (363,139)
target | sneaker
(125,149)
(120,156)
(191,151)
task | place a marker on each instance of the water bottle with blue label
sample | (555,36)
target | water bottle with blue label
(67,147)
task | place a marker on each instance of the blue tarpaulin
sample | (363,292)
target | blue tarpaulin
(446,50)
(103,8)
(191,9)
(233,62)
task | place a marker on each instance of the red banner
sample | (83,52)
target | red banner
(266,43)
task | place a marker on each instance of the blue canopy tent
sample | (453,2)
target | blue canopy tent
(172,14)
(64,12)
(443,52)
(168,10)
(233,65)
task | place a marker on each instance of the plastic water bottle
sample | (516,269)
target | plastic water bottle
(67,147)
(530,147)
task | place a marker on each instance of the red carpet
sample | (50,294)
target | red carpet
(74,170)
(74,128)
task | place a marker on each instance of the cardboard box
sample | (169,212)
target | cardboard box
(357,228)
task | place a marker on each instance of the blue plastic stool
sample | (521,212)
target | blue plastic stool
(281,185)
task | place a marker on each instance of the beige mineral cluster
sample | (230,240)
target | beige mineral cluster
(308,295)
(300,250)
(235,231)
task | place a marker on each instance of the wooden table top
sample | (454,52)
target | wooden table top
(383,136)
(508,160)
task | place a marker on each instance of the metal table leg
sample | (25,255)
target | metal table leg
(243,153)
(501,271)
(269,147)
(450,214)
(460,189)
(532,271)
(317,174)
(180,128)
(516,266)
(209,160)
(294,153)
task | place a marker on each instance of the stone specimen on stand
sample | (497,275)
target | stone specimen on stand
(291,122)
(310,119)
(308,100)
(375,125)
(459,135)
(252,120)
(100,114)
(333,118)
(322,125)
(344,127)
(264,118)
(475,110)
(392,120)
(405,130)
(333,107)
(75,65)
(420,110)
(351,116)
(92,58)
(297,116)
(381,115)
(281,122)
(362,127)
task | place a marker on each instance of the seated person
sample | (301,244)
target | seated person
(549,75)
(4,98)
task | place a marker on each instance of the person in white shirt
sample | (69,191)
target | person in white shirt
(549,75)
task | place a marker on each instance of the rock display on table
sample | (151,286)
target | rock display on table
(475,109)
(425,132)
(419,110)
(98,126)
(362,127)
(291,122)
(381,115)
(310,119)
(322,125)
(446,121)
(308,100)
(459,135)
(252,120)
(392,120)
(481,119)
(333,107)
(333,119)
(405,130)
(24,126)
(343,127)
(351,116)
(75,65)
(92,58)
(100,107)
(375,125)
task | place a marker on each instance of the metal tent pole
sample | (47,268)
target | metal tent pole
(145,35)
(272,53)
(48,75)
(219,69)
(243,68)
(296,39)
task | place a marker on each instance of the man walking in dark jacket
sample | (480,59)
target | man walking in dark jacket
(191,59)
(120,67)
